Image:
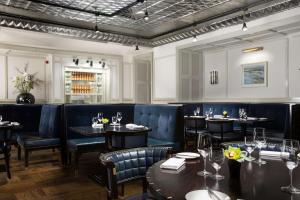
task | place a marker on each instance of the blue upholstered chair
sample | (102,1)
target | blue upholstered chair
(48,136)
(166,122)
(131,164)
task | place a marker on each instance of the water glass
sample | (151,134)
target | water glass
(260,140)
(100,117)
(249,147)
(114,120)
(291,161)
(204,148)
(119,117)
(94,121)
(217,158)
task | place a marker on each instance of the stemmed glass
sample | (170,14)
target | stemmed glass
(1,118)
(198,111)
(217,158)
(260,140)
(291,161)
(250,146)
(114,121)
(211,112)
(100,117)
(204,148)
(94,121)
(119,118)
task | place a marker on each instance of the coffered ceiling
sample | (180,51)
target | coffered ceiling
(122,21)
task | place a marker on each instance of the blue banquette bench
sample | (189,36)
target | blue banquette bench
(41,126)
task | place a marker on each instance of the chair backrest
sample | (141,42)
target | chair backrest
(50,121)
(219,126)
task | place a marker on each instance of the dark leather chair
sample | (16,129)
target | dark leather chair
(193,127)
(131,164)
(48,136)
(221,130)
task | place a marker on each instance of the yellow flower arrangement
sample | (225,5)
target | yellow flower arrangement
(225,113)
(233,153)
(105,120)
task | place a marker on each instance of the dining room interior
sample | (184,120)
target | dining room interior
(149,99)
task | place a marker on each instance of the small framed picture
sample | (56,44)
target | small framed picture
(255,74)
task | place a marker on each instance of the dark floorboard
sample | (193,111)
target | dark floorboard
(46,179)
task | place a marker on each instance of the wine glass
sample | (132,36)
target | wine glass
(94,121)
(1,118)
(100,117)
(241,113)
(114,121)
(207,114)
(195,112)
(198,111)
(119,118)
(204,148)
(211,112)
(291,161)
(250,146)
(260,140)
(217,158)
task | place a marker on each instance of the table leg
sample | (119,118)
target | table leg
(244,129)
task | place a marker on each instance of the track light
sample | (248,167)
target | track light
(195,38)
(76,61)
(146,16)
(137,47)
(91,63)
(244,28)
(103,65)
(96,24)
(96,29)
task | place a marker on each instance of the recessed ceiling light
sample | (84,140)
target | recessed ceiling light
(146,17)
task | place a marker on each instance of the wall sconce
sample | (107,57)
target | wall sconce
(254,49)
(214,79)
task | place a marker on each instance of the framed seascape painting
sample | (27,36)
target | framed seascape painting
(255,74)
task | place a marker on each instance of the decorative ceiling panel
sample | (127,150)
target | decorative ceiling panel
(122,20)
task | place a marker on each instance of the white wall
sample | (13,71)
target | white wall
(294,70)
(216,60)
(166,67)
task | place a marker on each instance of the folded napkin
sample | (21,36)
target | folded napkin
(97,125)
(218,116)
(172,163)
(15,123)
(251,118)
(134,126)
(274,153)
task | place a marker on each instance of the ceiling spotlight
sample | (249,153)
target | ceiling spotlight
(137,47)
(76,61)
(96,29)
(96,23)
(103,65)
(146,16)
(245,28)
(91,63)
(195,38)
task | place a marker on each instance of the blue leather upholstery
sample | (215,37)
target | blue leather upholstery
(49,129)
(166,122)
(126,165)
(76,144)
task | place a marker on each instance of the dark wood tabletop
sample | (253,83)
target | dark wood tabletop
(255,183)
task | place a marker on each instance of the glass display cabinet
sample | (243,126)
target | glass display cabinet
(84,86)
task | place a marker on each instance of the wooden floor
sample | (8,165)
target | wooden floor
(45,178)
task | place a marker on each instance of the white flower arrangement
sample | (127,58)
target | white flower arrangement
(25,82)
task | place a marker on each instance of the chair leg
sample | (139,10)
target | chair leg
(7,163)
(62,157)
(26,157)
(69,159)
(19,152)
(122,190)
(145,186)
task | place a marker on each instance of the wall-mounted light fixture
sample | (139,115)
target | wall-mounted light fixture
(75,61)
(253,49)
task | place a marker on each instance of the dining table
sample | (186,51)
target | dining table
(5,128)
(256,182)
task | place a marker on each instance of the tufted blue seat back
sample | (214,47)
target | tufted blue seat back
(163,119)
(81,115)
(133,163)
(50,121)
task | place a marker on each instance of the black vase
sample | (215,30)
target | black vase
(25,98)
(234,169)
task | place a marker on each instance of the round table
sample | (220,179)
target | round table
(256,182)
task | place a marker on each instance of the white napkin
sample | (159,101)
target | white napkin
(218,116)
(274,153)
(172,163)
(97,125)
(252,118)
(15,123)
(134,126)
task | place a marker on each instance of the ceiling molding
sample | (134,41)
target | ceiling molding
(223,21)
